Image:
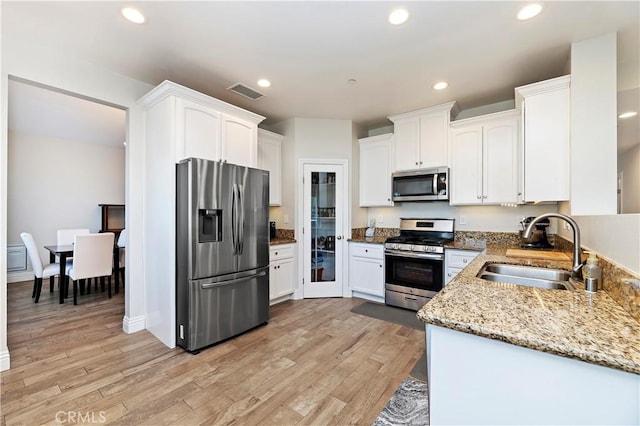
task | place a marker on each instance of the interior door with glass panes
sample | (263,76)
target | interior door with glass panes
(323,214)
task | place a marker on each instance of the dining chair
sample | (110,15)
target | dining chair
(66,237)
(92,258)
(40,270)
(122,243)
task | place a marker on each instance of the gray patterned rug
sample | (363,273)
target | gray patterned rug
(408,406)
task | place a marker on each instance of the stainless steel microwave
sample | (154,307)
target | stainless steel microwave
(421,185)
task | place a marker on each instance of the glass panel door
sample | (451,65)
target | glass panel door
(323,226)
(323,220)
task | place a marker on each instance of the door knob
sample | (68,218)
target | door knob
(339,237)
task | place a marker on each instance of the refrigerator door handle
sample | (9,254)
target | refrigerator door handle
(234,218)
(236,280)
(241,219)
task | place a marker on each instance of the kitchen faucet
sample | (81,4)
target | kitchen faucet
(577,263)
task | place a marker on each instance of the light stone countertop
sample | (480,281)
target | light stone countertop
(574,324)
(370,240)
(280,241)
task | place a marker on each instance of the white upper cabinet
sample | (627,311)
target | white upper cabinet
(240,141)
(376,166)
(546,109)
(421,137)
(484,159)
(270,158)
(193,120)
(202,126)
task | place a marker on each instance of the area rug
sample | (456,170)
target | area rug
(409,405)
(389,313)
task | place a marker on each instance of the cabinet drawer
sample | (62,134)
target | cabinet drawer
(374,251)
(460,259)
(280,252)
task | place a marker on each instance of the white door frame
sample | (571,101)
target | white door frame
(346,223)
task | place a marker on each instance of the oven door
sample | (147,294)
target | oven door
(411,279)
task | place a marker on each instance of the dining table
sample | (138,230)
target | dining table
(65,251)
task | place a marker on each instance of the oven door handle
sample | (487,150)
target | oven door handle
(414,255)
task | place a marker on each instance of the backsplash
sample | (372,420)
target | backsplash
(285,234)
(380,232)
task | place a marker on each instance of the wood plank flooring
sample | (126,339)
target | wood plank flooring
(315,363)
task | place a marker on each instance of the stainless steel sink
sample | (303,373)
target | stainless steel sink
(530,276)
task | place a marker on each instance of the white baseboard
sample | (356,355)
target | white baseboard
(133,325)
(280,299)
(17,277)
(4,359)
(370,297)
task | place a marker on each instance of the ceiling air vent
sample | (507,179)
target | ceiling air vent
(245,91)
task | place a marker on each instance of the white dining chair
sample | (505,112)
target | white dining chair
(122,243)
(92,258)
(66,237)
(40,270)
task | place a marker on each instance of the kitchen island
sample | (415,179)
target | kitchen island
(507,354)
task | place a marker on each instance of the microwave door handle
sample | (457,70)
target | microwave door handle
(435,184)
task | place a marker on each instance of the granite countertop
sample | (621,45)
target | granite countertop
(279,241)
(372,240)
(574,324)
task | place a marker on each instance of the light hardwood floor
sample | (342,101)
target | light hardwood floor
(315,363)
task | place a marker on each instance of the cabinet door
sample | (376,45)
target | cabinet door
(434,130)
(239,141)
(197,131)
(500,165)
(407,139)
(546,146)
(285,277)
(376,164)
(270,158)
(466,165)
(366,275)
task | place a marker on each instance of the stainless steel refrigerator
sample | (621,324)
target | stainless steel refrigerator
(222,251)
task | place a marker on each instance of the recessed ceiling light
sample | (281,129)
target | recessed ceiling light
(263,82)
(441,85)
(628,114)
(352,81)
(398,16)
(133,15)
(529,11)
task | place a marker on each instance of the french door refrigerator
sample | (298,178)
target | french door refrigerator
(222,251)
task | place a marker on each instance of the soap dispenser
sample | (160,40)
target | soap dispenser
(592,273)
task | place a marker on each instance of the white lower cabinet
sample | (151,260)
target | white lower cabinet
(499,383)
(366,270)
(455,261)
(281,272)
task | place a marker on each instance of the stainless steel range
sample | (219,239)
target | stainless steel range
(414,261)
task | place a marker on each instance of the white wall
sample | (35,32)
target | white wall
(593,126)
(478,218)
(312,138)
(55,184)
(629,165)
(34,63)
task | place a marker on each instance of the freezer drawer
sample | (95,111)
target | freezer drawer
(223,307)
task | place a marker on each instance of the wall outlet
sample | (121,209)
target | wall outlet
(285,218)
(463,220)
(380,219)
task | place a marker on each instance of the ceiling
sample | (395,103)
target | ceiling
(309,50)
